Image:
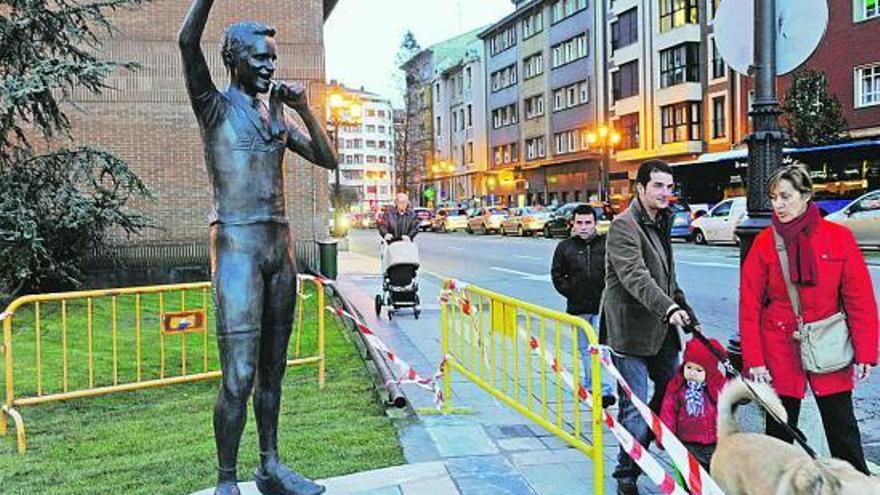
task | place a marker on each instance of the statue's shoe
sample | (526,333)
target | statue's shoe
(227,488)
(283,481)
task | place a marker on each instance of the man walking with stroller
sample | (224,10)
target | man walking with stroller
(400,222)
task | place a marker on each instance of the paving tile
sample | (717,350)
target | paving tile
(494,485)
(435,486)
(546,457)
(465,440)
(391,490)
(554,443)
(556,479)
(520,444)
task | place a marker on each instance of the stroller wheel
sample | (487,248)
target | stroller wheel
(390,314)
(417,312)
(378,304)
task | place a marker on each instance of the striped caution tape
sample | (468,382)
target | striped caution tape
(698,480)
(406,374)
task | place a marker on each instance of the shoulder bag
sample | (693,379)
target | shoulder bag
(825,345)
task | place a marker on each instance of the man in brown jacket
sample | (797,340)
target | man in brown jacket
(643,304)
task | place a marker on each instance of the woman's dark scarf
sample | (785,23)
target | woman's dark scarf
(796,235)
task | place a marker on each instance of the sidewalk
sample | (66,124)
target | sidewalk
(492,450)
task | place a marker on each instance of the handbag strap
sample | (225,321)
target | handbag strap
(786,276)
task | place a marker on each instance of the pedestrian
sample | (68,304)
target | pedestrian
(690,409)
(578,273)
(643,305)
(399,222)
(828,275)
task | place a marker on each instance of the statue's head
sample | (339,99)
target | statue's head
(249,54)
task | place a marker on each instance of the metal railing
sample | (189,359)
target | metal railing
(72,345)
(517,352)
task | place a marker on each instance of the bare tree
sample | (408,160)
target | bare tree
(404,119)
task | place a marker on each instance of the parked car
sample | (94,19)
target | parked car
(681,220)
(486,219)
(559,225)
(525,221)
(450,220)
(862,216)
(719,224)
(426,218)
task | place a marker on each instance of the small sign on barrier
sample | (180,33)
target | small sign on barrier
(192,321)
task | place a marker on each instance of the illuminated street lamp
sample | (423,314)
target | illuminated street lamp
(606,139)
(344,111)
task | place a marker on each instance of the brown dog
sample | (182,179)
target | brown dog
(757,464)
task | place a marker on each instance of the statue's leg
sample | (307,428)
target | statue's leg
(238,292)
(278,312)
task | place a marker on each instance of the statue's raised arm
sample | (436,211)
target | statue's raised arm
(195,67)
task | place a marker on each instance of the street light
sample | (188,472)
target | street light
(607,139)
(344,111)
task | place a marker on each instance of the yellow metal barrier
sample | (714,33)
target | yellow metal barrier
(56,345)
(514,350)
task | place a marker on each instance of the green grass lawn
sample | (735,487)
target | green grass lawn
(160,441)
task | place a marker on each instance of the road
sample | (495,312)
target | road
(520,267)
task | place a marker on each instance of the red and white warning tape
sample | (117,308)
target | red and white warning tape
(405,372)
(698,480)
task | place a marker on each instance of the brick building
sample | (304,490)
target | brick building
(147,120)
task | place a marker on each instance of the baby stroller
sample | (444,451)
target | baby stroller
(400,261)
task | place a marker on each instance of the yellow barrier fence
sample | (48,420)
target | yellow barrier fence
(71,345)
(514,350)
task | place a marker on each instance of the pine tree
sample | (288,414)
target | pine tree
(57,201)
(812,115)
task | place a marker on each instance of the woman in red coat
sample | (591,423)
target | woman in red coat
(828,270)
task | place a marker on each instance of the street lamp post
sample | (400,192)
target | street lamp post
(343,112)
(765,142)
(608,139)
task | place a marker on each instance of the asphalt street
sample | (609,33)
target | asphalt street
(520,267)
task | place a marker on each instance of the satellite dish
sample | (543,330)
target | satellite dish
(800,25)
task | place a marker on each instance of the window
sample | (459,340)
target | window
(570,141)
(723,209)
(506,153)
(533,24)
(436,92)
(564,9)
(718,127)
(718,67)
(570,50)
(535,148)
(504,116)
(675,13)
(571,95)
(680,64)
(504,78)
(371,143)
(629,131)
(439,126)
(681,122)
(867,85)
(625,31)
(470,152)
(371,159)
(461,118)
(371,128)
(625,82)
(533,66)
(468,77)
(502,40)
(381,129)
(867,9)
(371,113)
(454,121)
(534,106)
(381,114)
(470,115)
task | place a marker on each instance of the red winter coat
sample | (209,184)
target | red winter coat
(767,320)
(702,429)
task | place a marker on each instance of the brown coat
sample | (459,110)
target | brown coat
(640,283)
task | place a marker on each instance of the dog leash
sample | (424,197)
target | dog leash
(732,372)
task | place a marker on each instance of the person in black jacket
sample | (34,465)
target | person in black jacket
(578,273)
(400,222)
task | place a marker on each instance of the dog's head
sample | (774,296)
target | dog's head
(813,478)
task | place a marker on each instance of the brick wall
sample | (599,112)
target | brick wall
(147,120)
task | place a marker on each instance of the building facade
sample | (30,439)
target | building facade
(541,105)
(366,148)
(148,121)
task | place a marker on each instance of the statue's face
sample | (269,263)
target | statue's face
(256,65)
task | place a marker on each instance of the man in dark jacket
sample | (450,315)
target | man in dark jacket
(643,305)
(578,274)
(400,222)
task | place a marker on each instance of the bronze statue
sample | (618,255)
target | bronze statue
(252,261)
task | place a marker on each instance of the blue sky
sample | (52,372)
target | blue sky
(361,37)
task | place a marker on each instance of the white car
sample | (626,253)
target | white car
(719,224)
(862,216)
